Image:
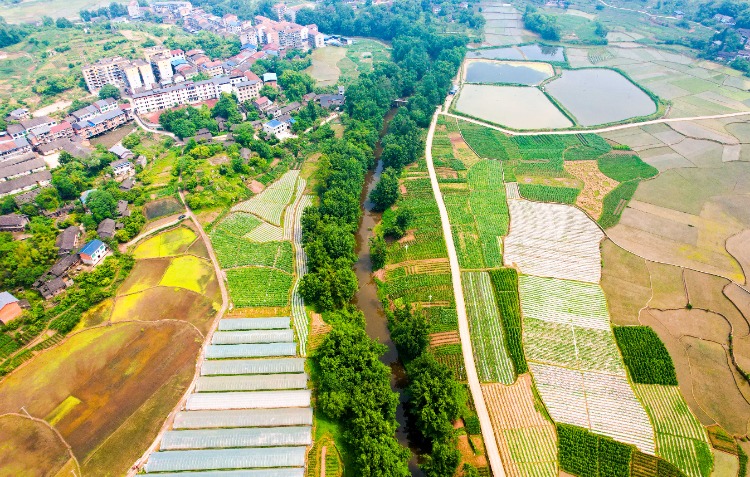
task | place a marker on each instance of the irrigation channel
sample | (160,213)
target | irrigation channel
(367,300)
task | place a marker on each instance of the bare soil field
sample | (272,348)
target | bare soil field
(626,283)
(29,448)
(667,286)
(710,386)
(739,247)
(112,371)
(145,274)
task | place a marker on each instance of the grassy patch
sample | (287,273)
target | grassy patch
(166,244)
(236,252)
(625,167)
(615,202)
(62,410)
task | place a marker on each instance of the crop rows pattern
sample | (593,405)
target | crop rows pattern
(299,314)
(235,252)
(680,438)
(269,205)
(253,286)
(526,439)
(487,336)
(603,403)
(553,240)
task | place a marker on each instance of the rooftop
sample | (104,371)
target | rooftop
(92,246)
(6,299)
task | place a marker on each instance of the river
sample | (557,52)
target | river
(367,300)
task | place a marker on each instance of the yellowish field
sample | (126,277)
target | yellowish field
(172,242)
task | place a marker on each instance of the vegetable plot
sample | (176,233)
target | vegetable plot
(680,438)
(487,337)
(253,286)
(269,205)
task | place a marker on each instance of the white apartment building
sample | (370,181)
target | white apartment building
(162,65)
(104,71)
(188,92)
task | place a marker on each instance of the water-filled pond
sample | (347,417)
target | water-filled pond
(517,107)
(507,72)
(598,96)
(533,52)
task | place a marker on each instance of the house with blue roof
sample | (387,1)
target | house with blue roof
(10,308)
(269,78)
(93,252)
(275,127)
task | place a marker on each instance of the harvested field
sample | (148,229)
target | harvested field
(526,439)
(739,247)
(667,286)
(707,292)
(112,371)
(323,68)
(160,208)
(174,304)
(30,448)
(595,186)
(626,283)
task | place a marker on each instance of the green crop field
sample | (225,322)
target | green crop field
(625,167)
(680,438)
(505,283)
(485,323)
(615,202)
(545,193)
(253,286)
(586,454)
(238,224)
(236,252)
(646,357)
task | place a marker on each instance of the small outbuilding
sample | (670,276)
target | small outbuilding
(10,308)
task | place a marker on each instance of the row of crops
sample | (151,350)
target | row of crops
(270,204)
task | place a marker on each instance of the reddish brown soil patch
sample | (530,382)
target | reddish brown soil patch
(467,453)
(444,338)
(256,187)
(166,303)
(408,237)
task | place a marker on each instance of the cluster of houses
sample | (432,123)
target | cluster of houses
(21,169)
(162,67)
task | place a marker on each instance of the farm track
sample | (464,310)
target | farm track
(201,357)
(596,131)
(493,455)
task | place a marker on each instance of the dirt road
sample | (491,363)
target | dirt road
(493,456)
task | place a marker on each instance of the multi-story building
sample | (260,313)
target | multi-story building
(101,123)
(12,147)
(155,50)
(191,92)
(104,71)
(132,76)
(249,36)
(314,38)
(246,90)
(286,34)
(162,65)
(48,134)
(212,68)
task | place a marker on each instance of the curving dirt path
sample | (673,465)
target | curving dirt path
(597,131)
(201,357)
(490,444)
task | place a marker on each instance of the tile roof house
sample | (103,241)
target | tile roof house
(127,184)
(106,229)
(10,309)
(13,222)
(67,240)
(122,208)
(121,151)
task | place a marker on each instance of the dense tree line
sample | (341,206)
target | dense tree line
(353,385)
(543,24)
(114,10)
(11,34)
